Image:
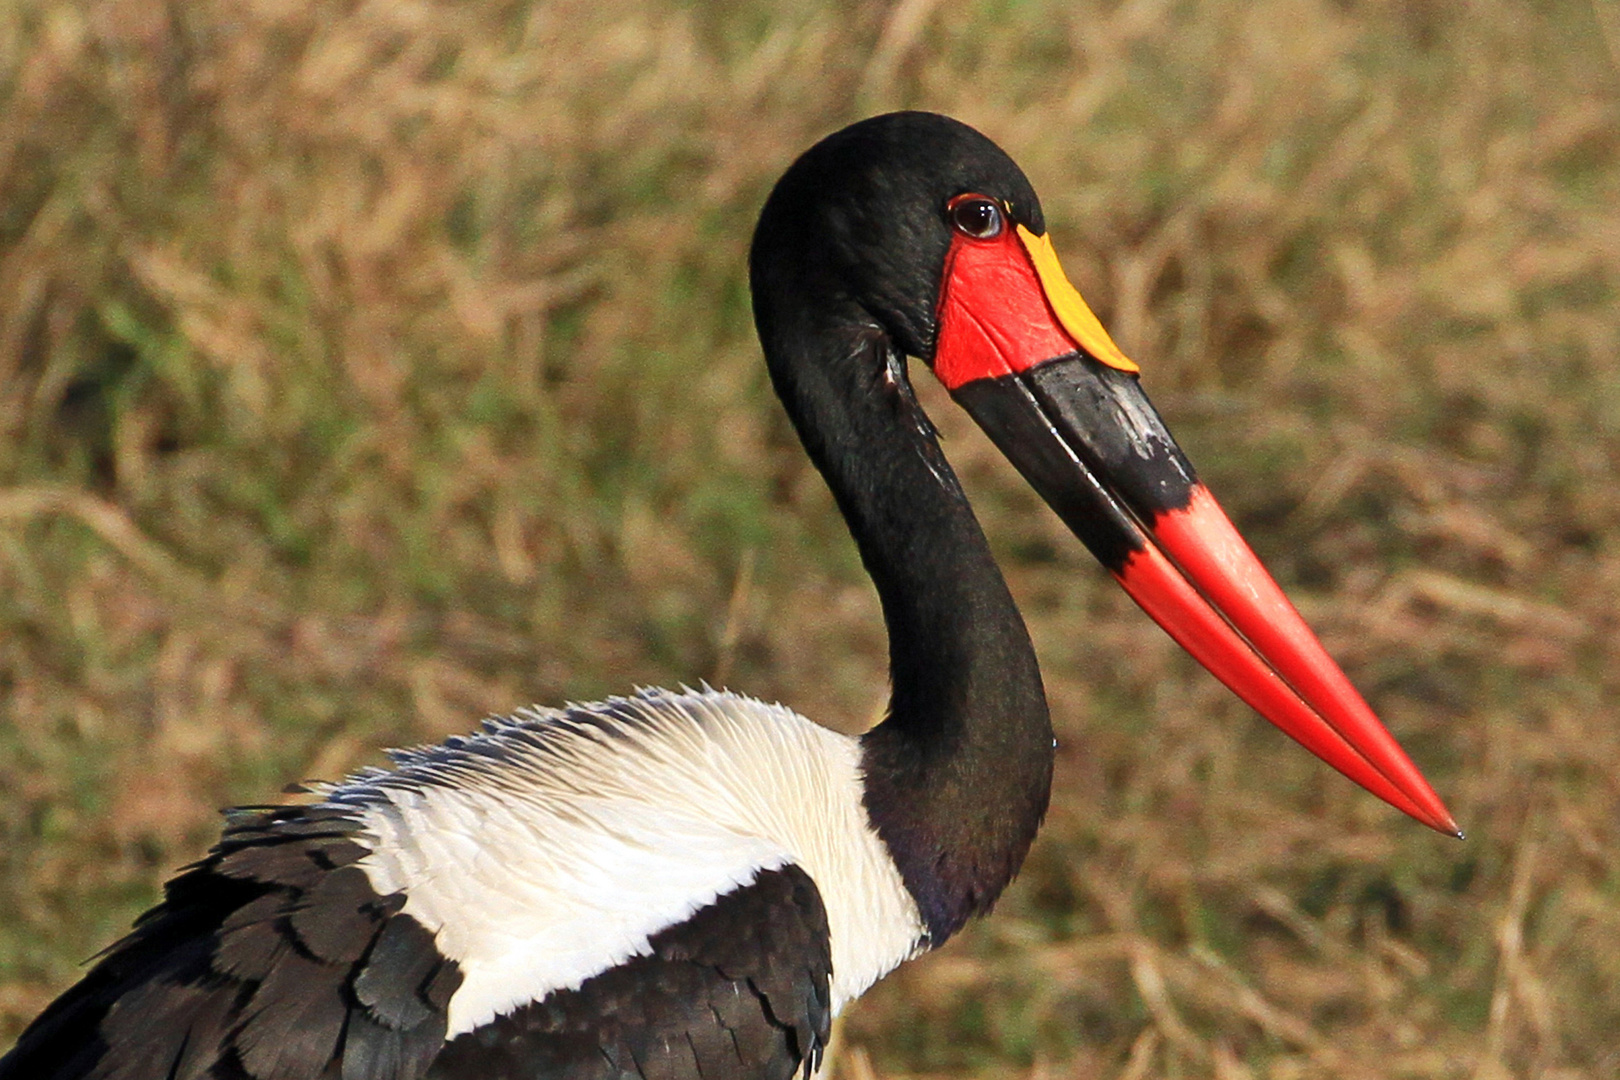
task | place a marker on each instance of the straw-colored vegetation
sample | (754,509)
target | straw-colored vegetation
(369,367)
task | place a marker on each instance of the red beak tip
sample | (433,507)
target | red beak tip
(1444,824)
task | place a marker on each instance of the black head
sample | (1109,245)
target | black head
(857,229)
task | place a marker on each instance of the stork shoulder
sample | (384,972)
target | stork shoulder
(554,844)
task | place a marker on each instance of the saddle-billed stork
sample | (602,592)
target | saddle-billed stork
(692,884)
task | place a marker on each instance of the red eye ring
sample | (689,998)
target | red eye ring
(975,216)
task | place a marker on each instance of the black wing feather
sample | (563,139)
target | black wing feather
(740,991)
(273,959)
(252,969)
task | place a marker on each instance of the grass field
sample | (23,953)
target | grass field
(369,367)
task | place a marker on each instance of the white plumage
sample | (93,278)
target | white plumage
(551,846)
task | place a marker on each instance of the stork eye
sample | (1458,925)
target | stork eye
(975,216)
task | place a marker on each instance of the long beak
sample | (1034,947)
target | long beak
(1079,428)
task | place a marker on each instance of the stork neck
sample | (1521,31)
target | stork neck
(958,775)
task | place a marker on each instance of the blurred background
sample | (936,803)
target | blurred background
(370,367)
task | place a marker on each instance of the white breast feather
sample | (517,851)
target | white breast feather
(551,849)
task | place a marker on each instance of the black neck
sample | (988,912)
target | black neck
(957,777)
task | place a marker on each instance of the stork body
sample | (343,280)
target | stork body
(621,889)
(690,885)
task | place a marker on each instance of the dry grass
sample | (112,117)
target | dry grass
(368,367)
